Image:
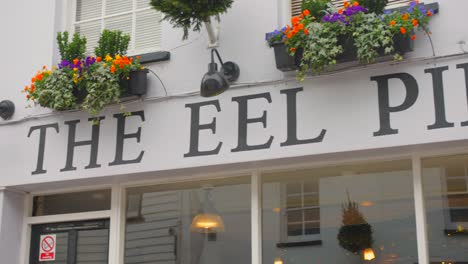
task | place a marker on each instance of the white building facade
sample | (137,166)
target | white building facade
(286,165)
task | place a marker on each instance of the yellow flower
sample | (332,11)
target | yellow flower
(49,72)
(54,68)
(108,58)
(142,67)
(117,57)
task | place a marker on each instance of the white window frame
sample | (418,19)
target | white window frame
(285,238)
(71,22)
(449,223)
(117,212)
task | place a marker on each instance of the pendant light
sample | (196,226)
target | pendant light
(208,221)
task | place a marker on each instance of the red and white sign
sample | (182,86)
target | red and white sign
(47,248)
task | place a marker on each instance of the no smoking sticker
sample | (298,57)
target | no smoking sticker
(47,247)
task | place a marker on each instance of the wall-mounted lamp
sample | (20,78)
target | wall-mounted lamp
(369,254)
(216,82)
(7,109)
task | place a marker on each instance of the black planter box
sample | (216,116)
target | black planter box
(135,84)
(80,94)
(286,62)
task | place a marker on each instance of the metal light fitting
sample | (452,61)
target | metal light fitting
(7,109)
(216,82)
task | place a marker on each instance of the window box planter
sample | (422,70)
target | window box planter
(136,84)
(285,62)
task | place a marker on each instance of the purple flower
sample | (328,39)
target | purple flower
(64,64)
(90,61)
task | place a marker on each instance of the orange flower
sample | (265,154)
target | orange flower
(33,87)
(306,12)
(413,37)
(39,77)
(44,67)
(139,57)
(404,16)
(429,13)
(403,30)
(26,88)
(288,28)
(340,11)
(415,22)
(75,61)
(345,4)
(392,23)
(295,20)
(356,3)
(300,26)
(98,59)
(112,69)
(289,35)
(121,66)
(33,80)
(293,49)
(306,31)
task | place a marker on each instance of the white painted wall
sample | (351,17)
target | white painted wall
(11,224)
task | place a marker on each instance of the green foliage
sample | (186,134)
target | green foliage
(317,8)
(112,42)
(355,234)
(371,37)
(190,13)
(374,6)
(56,91)
(321,48)
(102,87)
(71,50)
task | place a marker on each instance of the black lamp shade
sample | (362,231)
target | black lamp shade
(214,82)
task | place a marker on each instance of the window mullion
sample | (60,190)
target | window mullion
(256,197)
(420,211)
(103,14)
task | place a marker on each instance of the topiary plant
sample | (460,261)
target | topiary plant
(187,13)
(71,50)
(374,6)
(112,42)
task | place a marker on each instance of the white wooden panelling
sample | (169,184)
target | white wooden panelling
(90,30)
(149,240)
(142,4)
(122,23)
(118,6)
(88,9)
(148,30)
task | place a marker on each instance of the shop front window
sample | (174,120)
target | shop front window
(342,214)
(446,197)
(205,222)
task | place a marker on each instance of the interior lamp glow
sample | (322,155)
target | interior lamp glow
(369,254)
(278,261)
(208,220)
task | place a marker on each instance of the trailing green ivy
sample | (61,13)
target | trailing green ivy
(371,37)
(186,14)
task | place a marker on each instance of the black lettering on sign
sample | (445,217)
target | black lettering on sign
(42,140)
(385,109)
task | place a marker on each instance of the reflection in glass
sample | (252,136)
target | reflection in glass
(445,181)
(343,214)
(205,222)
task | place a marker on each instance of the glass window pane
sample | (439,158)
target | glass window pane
(346,210)
(446,201)
(195,222)
(92,246)
(294,201)
(68,203)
